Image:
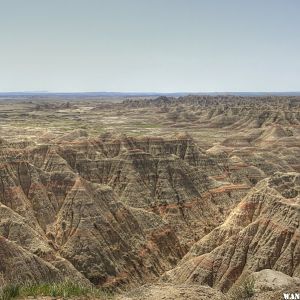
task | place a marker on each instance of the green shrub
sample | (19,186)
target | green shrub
(9,292)
(243,290)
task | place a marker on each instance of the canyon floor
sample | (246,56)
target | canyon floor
(195,197)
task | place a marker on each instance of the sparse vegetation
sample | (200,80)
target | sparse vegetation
(9,292)
(243,290)
(65,289)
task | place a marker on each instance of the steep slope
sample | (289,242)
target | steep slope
(120,210)
(104,240)
(170,177)
(19,265)
(261,232)
(114,209)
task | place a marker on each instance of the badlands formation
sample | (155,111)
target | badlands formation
(195,197)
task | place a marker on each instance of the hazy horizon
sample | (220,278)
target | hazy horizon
(150,93)
(135,46)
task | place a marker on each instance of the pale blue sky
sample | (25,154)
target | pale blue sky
(150,45)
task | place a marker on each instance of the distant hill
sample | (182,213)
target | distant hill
(133,94)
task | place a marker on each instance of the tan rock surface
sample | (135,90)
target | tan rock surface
(173,292)
(116,193)
(261,232)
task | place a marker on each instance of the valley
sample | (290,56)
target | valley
(152,197)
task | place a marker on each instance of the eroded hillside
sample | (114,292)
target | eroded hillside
(177,193)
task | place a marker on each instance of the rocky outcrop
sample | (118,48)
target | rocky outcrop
(19,265)
(172,292)
(261,232)
(166,176)
(270,284)
(82,200)
(104,240)
(225,110)
(115,209)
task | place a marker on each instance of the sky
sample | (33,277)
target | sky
(150,45)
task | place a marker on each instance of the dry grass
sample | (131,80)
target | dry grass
(65,289)
(244,289)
